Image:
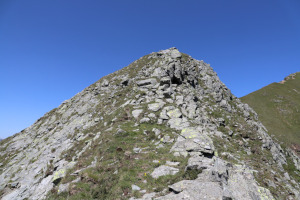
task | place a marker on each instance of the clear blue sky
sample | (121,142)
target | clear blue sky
(52,49)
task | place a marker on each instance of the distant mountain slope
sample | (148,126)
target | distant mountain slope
(278,107)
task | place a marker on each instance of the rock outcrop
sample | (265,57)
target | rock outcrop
(165,127)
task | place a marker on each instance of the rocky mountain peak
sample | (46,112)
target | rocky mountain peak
(164,127)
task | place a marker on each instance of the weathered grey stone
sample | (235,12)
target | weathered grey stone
(286,176)
(191,140)
(143,191)
(148,196)
(135,188)
(137,150)
(136,113)
(158,72)
(152,115)
(63,188)
(156,106)
(14,185)
(191,110)
(125,81)
(179,100)
(147,82)
(167,139)
(199,162)
(105,83)
(178,123)
(163,115)
(174,113)
(167,93)
(164,170)
(165,81)
(172,163)
(193,190)
(242,185)
(144,120)
(156,131)
(175,54)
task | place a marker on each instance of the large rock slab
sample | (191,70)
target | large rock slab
(178,123)
(242,185)
(191,140)
(219,181)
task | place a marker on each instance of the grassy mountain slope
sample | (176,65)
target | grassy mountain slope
(278,107)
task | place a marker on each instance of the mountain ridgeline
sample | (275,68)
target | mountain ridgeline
(164,127)
(278,107)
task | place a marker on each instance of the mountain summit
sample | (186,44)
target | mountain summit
(164,127)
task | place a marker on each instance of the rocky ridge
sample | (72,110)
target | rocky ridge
(291,76)
(165,127)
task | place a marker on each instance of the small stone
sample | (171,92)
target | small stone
(170,101)
(145,120)
(152,115)
(146,82)
(165,81)
(167,139)
(105,83)
(156,131)
(156,106)
(163,171)
(137,150)
(63,188)
(172,163)
(174,113)
(286,176)
(135,188)
(136,113)
(14,185)
(159,121)
(143,191)
(120,131)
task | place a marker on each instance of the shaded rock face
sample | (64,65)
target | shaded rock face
(195,140)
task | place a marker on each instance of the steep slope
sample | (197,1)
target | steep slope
(278,107)
(165,127)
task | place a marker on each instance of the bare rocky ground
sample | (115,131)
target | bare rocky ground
(164,127)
